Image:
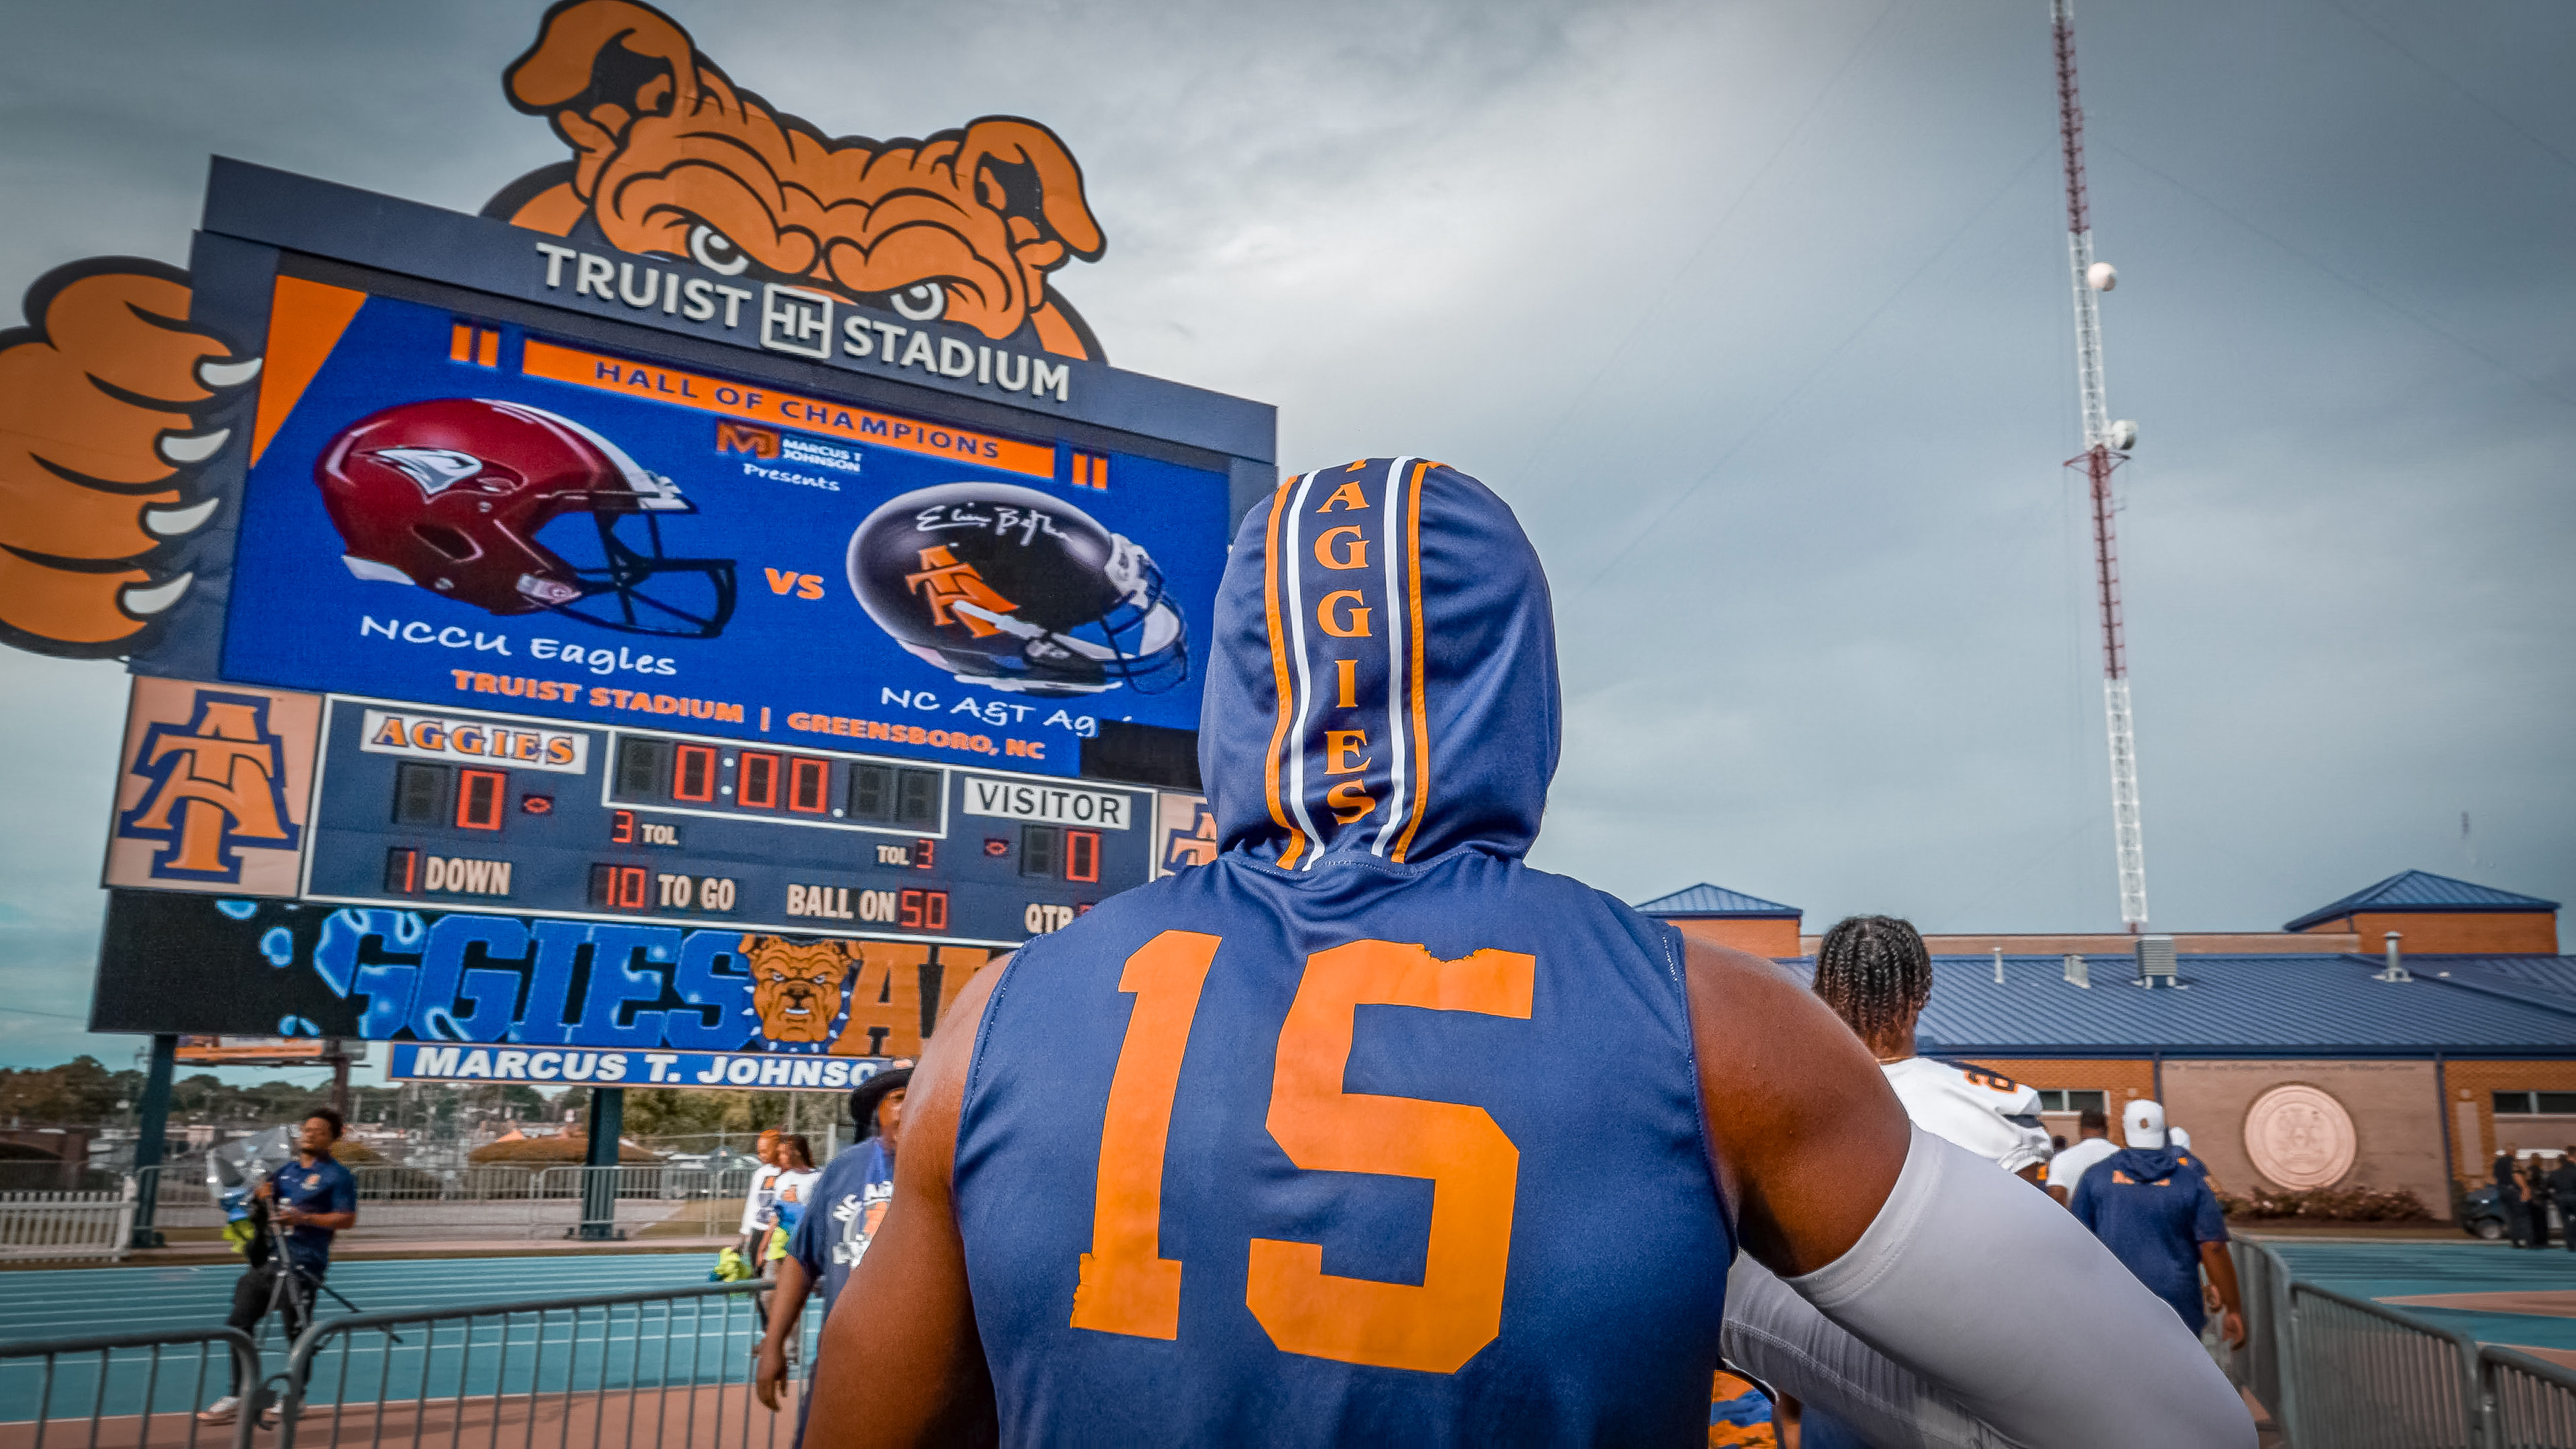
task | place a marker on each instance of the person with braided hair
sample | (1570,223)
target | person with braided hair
(1876,975)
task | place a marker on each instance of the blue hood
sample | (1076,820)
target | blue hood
(1383,678)
(2144,1164)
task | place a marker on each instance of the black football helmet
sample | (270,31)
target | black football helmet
(1006,587)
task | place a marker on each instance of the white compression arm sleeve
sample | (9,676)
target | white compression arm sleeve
(1780,1338)
(1987,1289)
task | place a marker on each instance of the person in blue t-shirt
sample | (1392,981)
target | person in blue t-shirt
(2151,1205)
(311,1198)
(838,1220)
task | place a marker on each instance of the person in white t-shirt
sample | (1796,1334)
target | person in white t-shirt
(2067,1168)
(790,1190)
(756,1202)
(1876,975)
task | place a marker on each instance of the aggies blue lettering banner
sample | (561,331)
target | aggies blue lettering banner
(522,996)
(770,1072)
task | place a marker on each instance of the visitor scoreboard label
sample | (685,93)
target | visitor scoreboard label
(1049,804)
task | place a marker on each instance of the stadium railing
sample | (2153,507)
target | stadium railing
(2264,1285)
(138,1389)
(2530,1401)
(501,1202)
(66,1224)
(673,1366)
(2368,1376)
(2334,1370)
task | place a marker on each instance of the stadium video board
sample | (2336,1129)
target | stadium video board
(450,508)
(570,684)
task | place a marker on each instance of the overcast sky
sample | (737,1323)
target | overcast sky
(1758,315)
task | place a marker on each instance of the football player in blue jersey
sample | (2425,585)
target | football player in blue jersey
(1279,1149)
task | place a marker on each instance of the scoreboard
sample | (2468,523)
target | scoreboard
(444,807)
(691,690)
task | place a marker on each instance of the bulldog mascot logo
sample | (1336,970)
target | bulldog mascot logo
(112,404)
(796,986)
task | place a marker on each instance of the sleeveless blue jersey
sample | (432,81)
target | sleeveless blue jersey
(1365,1132)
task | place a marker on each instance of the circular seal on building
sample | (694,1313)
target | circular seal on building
(2299,1137)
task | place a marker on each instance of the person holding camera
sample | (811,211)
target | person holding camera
(305,1201)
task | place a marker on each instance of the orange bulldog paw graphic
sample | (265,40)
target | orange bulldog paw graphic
(670,159)
(108,406)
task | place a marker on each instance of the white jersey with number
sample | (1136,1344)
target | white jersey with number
(1985,1112)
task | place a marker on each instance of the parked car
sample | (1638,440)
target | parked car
(2482,1213)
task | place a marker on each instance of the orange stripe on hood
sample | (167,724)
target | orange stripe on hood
(1285,695)
(1413,608)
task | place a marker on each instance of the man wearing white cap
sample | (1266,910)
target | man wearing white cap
(2150,1205)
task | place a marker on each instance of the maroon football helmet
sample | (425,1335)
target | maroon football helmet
(450,494)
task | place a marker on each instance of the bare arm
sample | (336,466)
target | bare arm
(1809,1136)
(905,1328)
(786,1310)
(2231,1296)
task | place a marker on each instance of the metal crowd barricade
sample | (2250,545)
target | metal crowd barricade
(2531,1403)
(2370,1377)
(2333,1370)
(667,1367)
(2263,1282)
(135,1388)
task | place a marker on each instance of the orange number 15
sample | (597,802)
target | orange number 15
(1127,1286)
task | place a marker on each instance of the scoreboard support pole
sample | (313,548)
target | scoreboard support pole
(336,1052)
(152,1130)
(599,1189)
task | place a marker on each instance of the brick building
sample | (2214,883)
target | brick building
(2317,1055)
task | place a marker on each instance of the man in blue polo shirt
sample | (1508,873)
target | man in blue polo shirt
(832,1235)
(2151,1206)
(311,1197)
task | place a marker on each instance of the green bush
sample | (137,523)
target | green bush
(2353,1203)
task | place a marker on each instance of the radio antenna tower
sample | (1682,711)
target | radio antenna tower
(2106,447)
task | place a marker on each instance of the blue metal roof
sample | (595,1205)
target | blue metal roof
(1707,900)
(2421,890)
(2241,1006)
(2547,980)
